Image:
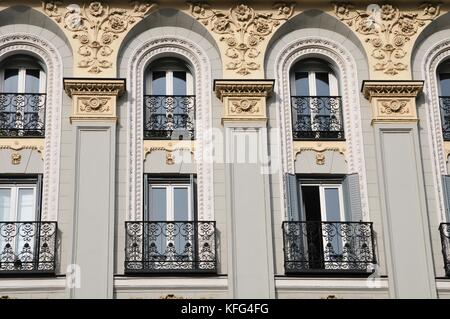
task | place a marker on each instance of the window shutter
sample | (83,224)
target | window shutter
(38,197)
(446,184)
(352,198)
(293,198)
(146,211)
(193,183)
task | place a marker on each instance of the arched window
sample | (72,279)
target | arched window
(443,74)
(22,97)
(169,103)
(315,100)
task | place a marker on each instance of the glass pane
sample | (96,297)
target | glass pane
(159,83)
(181,203)
(32,81)
(5,204)
(158,204)
(179,83)
(11,81)
(322,84)
(301,84)
(445,84)
(25,205)
(332,204)
(333,233)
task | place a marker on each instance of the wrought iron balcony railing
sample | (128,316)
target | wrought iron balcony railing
(27,247)
(317,118)
(22,114)
(444,229)
(444,103)
(328,247)
(168,247)
(169,117)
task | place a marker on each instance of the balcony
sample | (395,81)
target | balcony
(328,247)
(317,118)
(27,247)
(169,117)
(444,229)
(444,103)
(22,115)
(170,247)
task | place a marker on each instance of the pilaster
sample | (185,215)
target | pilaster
(401,186)
(251,273)
(94,136)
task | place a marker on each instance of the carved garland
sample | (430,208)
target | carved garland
(352,118)
(96,26)
(435,56)
(242,29)
(23,42)
(387,30)
(140,58)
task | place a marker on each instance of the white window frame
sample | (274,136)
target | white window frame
(170,187)
(14,203)
(22,79)
(323,211)
(21,85)
(169,80)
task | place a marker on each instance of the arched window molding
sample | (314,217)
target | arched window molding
(432,59)
(141,57)
(330,51)
(20,43)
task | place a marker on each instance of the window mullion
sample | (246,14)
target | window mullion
(323,210)
(169,82)
(21,80)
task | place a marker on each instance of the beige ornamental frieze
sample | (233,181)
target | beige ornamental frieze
(387,32)
(96,30)
(242,33)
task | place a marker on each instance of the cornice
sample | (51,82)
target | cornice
(262,88)
(94,86)
(372,89)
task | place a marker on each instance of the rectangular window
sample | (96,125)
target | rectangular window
(170,201)
(18,202)
(322,202)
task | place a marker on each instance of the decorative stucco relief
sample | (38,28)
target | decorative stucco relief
(393,101)
(244,100)
(96,28)
(388,32)
(18,144)
(242,31)
(94,99)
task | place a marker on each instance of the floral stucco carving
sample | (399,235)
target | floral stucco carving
(242,29)
(96,26)
(245,105)
(387,31)
(394,106)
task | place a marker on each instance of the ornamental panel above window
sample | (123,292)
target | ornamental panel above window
(315,102)
(169,101)
(22,97)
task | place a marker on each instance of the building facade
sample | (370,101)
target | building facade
(224,149)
